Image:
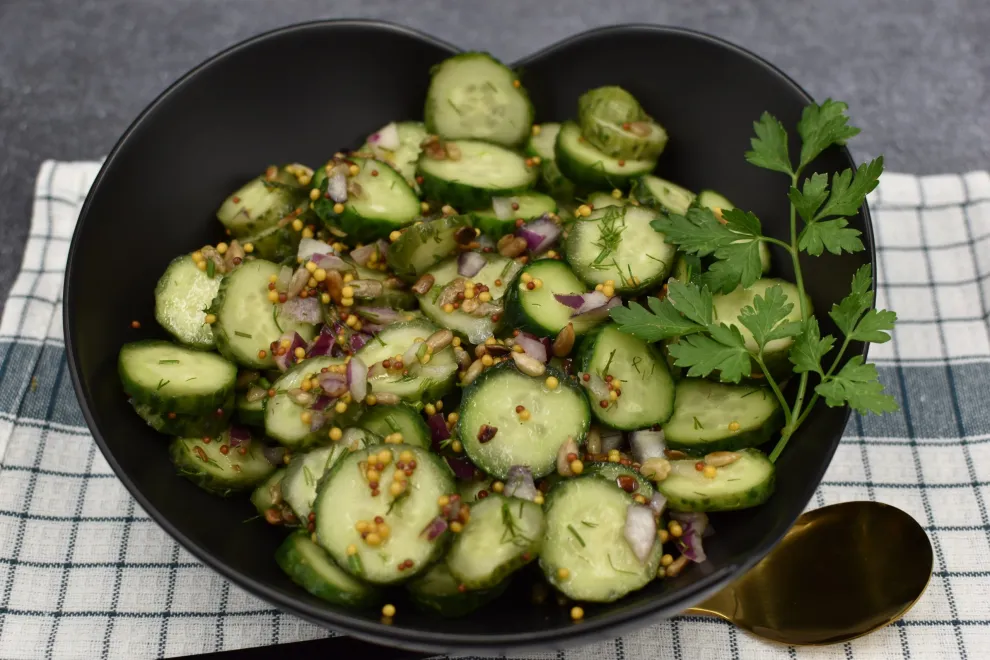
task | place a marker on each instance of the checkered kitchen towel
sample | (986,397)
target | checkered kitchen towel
(84,572)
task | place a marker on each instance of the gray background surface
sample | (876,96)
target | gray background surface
(74,73)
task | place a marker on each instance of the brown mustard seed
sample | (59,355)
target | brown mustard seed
(486,433)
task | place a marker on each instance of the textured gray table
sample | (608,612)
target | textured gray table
(74,73)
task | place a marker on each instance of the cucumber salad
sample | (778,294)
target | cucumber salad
(405,357)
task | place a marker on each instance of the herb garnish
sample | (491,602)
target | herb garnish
(610,232)
(244,334)
(275,317)
(308,476)
(512,534)
(168,362)
(211,268)
(823,203)
(162,383)
(698,425)
(577,536)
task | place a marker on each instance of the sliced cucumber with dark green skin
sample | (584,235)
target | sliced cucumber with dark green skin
(250,413)
(221,473)
(402,418)
(617,243)
(711,416)
(279,242)
(585,165)
(473,95)
(247,322)
(260,204)
(481,172)
(379,202)
(613,120)
(186,426)
(403,159)
(407,514)
(311,568)
(504,534)
(395,293)
(585,523)
(536,310)
(662,195)
(167,377)
(745,483)
(626,478)
(268,494)
(490,403)
(713,200)
(283,416)
(181,296)
(527,206)
(647,389)
(424,245)
(728,307)
(421,381)
(553,182)
(437,591)
(478,325)
(305,471)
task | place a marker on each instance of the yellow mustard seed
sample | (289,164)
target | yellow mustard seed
(388,610)
(297,224)
(498,486)
(338,208)
(563,573)
(314,194)
(538,499)
(734,426)
(341,407)
(273,296)
(354,170)
(325,298)
(666,560)
(311,266)
(201,265)
(487,360)
(351,550)
(577,613)
(307,233)
(710,472)
(616,193)
(211,318)
(319,274)
(536,129)
(526,277)
(551,382)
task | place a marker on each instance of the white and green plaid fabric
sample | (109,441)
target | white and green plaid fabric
(85,573)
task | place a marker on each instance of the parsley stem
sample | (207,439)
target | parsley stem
(802,297)
(815,396)
(777,241)
(776,389)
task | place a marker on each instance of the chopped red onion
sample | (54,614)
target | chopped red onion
(286,360)
(438,430)
(308,247)
(304,310)
(387,137)
(463,468)
(333,384)
(239,435)
(362,255)
(380,315)
(357,378)
(321,402)
(274,454)
(658,503)
(595,314)
(694,526)
(470,264)
(611,439)
(357,340)
(323,344)
(540,234)
(317,420)
(502,206)
(640,530)
(533,347)
(372,328)
(520,483)
(572,300)
(337,187)
(435,528)
(647,444)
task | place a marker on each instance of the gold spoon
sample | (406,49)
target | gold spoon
(841,572)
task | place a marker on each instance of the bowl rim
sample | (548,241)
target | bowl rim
(608,623)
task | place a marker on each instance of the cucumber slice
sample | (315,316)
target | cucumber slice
(309,566)
(182,293)
(537,310)
(746,483)
(526,206)
(601,200)
(268,494)
(384,204)
(473,95)
(483,171)
(403,159)
(585,522)
(617,243)
(687,268)
(186,426)
(716,201)
(421,382)
(260,204)
(247,322)
(626,478)
(476,327)
(424,245)
(469,490)
(504,535)
(277,243)
(283,416)
(647,389)
(171,378)
(728,306)
(402,419)
(585,165)
(542,138)
(344,498)
(614,122)
(555,415)
(305,471)
(436,591)
(250,413)
(712,416)
(220,472)
(662,195)
(395,294)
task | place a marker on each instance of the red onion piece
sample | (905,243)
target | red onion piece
(435,528)
(333,384)
(274,455)
(519,483)
(283,362)
(694,526)
(321,402)
(572,300)
(372,328)
(438,430)
(357,340)
(357,379)
(647,444)
(597,314)
(463,468)
(640,530)
(304,310)
(470,264)
(362,255)
(658,503)
(337,187)
(308,247)
(323,344)
(502,206)
(239,435)
(533,347)
(591,300)
(317,420)
(387,137)
(540,234)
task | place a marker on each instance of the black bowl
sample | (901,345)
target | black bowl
(303,92)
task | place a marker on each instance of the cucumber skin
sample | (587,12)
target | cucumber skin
(160,288)
(744,440)
(180,459)
(250,416)
(753,497)
(186,426)
(410,242)
(464,197)
(291,194)
(643,195)
(588,177)
(352,223)
(291,560)
(194,405)
(277,243)
(456,604)
(261,496)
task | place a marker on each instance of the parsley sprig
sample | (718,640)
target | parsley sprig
(705,345)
